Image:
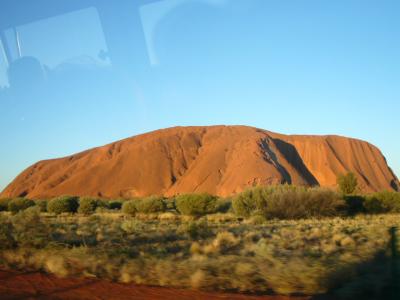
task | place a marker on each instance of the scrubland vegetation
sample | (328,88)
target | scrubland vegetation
(284,240)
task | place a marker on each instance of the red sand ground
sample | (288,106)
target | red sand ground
(35,285)
(220,160)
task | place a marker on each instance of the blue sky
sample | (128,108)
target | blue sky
(294,67)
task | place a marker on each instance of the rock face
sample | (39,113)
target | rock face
(220,160)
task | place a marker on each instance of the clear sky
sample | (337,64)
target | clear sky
(294,67)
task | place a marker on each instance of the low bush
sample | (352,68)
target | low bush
(195,230)
(6,230)
(29,230)
(41,204)
(196,204)
(63,204)
(288,202)
(4,204)
(299,202)
(88,205)
(19,204)
(251,201)
(115,204)
(388,201)
(170,204)
(151,204)
(372,205)
(223,205)
(347,183)
(129,207)
(355,204)
(132,226)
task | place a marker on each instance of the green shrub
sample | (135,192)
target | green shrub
(18,204)
(170,204)
(103,203)
(4,204)
(29,230)
(373,206)
(67,204)
(115,205)
(129,207)
(347,183)
(132,226)
(389,201)
(251,201)
(195,230)
(88,205)
(355,204)
(41,204)
(196,204)
(300,202)
(6,229)
(223,205)
(151,204)
(287,202)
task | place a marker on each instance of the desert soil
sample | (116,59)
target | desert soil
(36,285)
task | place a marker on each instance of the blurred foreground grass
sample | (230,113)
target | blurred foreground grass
(349,257)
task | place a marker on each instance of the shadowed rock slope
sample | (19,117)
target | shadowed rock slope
(220,160)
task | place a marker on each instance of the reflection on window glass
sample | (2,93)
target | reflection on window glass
(75,37)
(154,13)
(3,67)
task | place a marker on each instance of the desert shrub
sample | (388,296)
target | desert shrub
(388,201)
(251,201)
(300,202)
(6,229)
(41,204)
(170,204)
(221,217)
(115,204)
(88,205)
(129,207)
(223,205)
(372,205)
(257,220)
(63,204)
(195,230)
(287,202)
(321,202)
(28,228)
(103,203)
(132,226)
(355,204)
(224,241)
(168,216)
(18,204)
(151,204)
(4,204)
(347,183)
(196,204)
